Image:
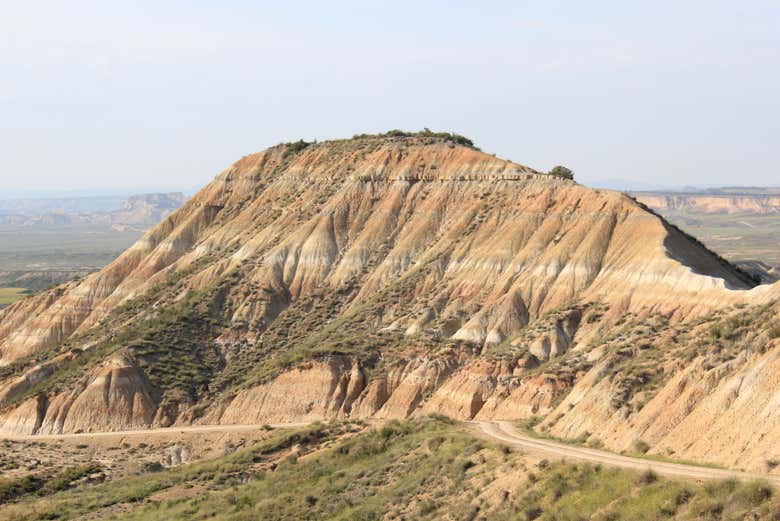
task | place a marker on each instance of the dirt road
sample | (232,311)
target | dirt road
(147,432)
(504,432)
(507,433)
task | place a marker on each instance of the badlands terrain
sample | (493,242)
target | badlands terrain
(388,286)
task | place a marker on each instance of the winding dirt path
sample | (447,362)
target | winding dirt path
(501,431)
(146,432)
(507,433)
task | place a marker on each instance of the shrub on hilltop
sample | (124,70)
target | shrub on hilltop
(562,172)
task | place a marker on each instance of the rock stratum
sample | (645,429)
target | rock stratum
(400,275)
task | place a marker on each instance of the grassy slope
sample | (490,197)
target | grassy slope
(417,469)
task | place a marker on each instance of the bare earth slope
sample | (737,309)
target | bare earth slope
(396,276)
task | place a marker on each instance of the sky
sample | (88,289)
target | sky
(140,95)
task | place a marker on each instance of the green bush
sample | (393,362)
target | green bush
(562,172)
(755,492)
(648,477)
(293,148)
(446,136)
(44,484)
(640,446)
(774,329)
(14,488)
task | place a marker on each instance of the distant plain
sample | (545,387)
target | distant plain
(737,237)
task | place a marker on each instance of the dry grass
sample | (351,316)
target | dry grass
(418,469)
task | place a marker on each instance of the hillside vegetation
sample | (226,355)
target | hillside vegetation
(416,469)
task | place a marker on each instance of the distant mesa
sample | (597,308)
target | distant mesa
(136,210)
(725,200)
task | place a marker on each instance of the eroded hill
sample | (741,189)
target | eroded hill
(396,276)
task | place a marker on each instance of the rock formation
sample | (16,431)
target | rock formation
(393,276)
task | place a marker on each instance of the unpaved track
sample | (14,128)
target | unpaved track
(501,431)
(146,432)
(507,433)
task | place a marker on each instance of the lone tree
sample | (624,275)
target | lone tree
(562,172)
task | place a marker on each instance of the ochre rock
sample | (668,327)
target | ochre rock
(487,250)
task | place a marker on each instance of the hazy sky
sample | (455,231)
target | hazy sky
(167,94)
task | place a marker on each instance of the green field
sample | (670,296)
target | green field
(36,257)
(61,247)
(737,237)
(10,295)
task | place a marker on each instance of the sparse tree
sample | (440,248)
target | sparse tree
(562,172)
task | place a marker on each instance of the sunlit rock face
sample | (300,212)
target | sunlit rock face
(430,276)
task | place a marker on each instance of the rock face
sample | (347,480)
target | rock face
(307,393)
(114,396)
(699,414)
(378,277)
(529,241)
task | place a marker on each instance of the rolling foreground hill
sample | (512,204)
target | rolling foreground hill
(421,469)
(395,276)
